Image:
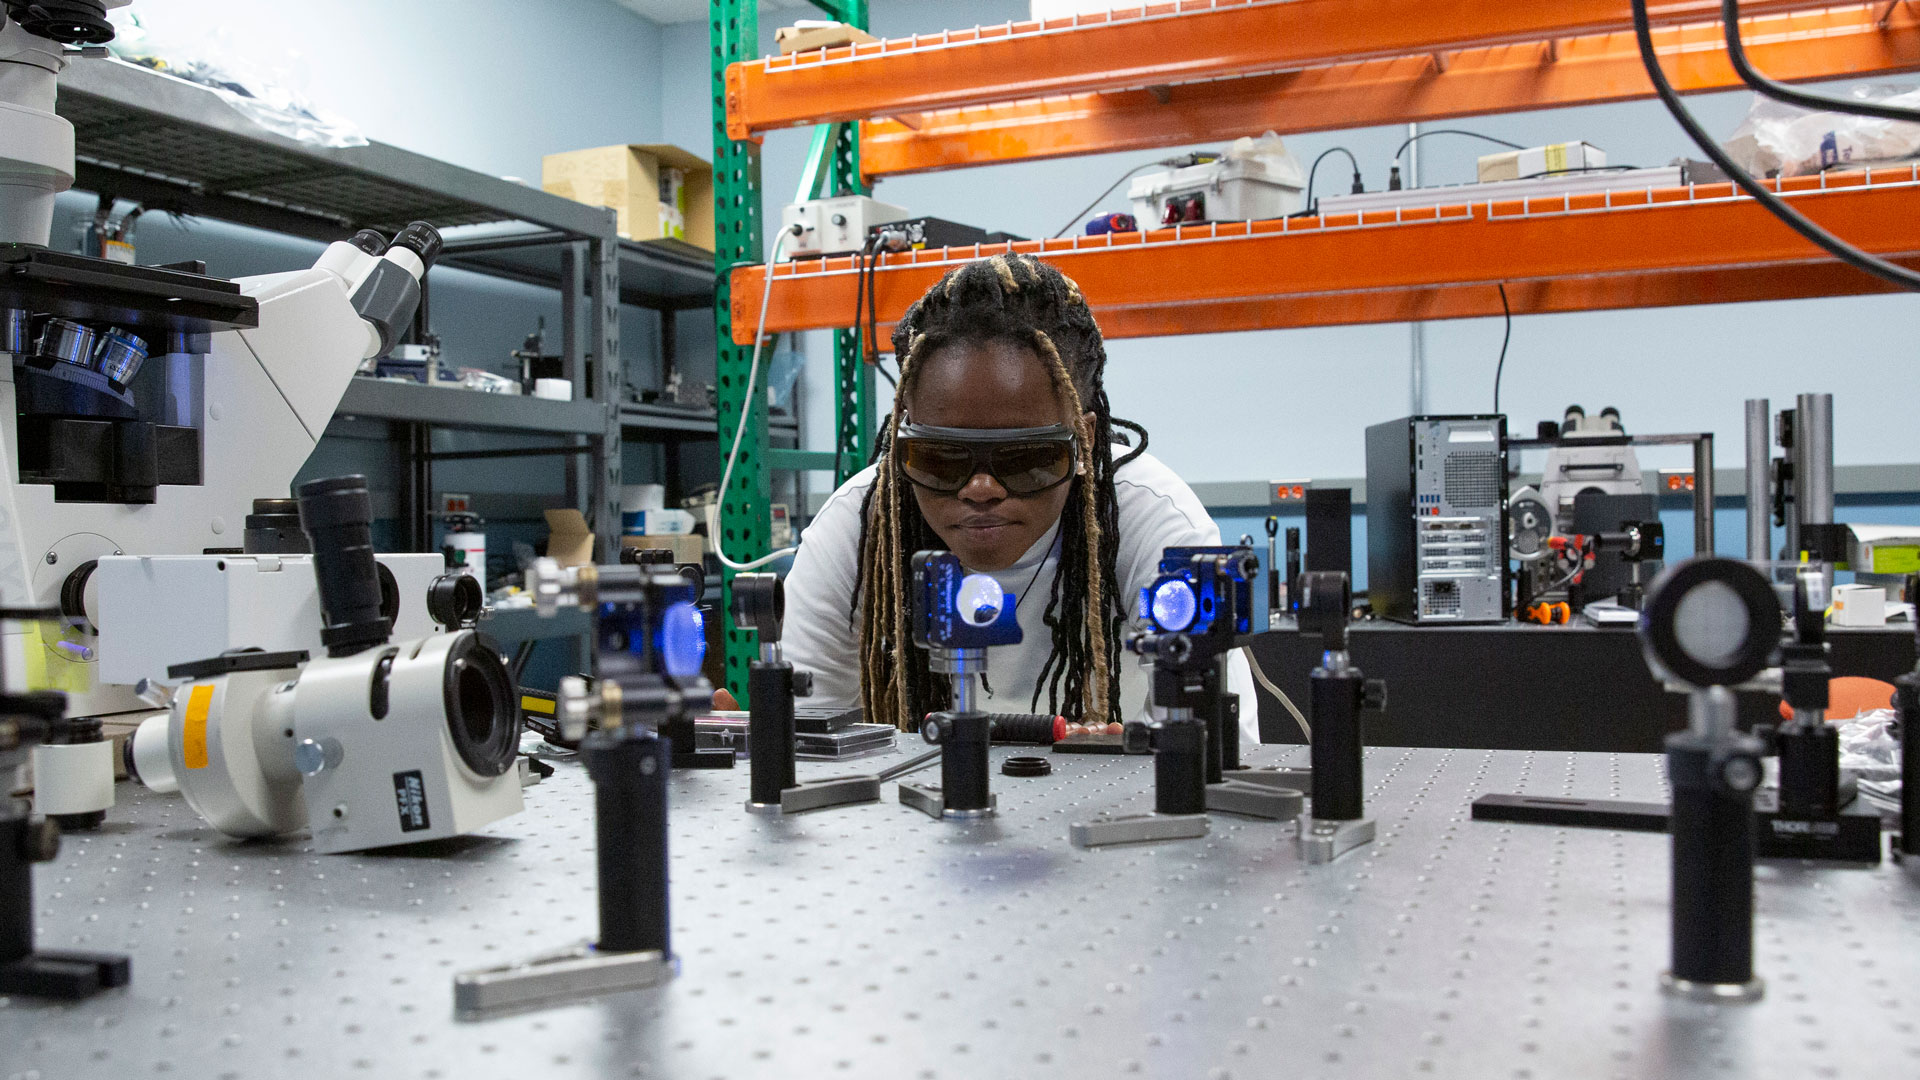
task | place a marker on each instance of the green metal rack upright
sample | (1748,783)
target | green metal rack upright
(746,524)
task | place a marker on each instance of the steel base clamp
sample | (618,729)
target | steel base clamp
(1255,800)
(569,975)
(931,801)
(1136,829)
(1324,841)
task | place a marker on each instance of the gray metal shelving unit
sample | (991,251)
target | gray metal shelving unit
(173,145)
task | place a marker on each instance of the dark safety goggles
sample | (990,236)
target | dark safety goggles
(1025,461)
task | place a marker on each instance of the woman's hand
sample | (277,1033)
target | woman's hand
(723,701)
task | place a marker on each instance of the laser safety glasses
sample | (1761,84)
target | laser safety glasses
(1025,461)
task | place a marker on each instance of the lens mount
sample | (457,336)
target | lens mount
(483,714)
(1688,605)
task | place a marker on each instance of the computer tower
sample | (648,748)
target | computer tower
(1437,519)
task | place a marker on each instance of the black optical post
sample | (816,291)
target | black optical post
(1815,816)
(649,676)
(1337,822)
(1712,624)
(760,605)
(1906,702)
(956,617)
(1197,607)
(25,720)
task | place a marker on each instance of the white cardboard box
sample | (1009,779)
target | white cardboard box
(1859,605)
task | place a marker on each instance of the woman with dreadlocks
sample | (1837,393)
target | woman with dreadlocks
(1000,449)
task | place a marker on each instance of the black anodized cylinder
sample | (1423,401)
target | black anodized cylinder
(1713,838)
(1338,783)
(1809,771)
(1180,768)
(1208,706)
(629,770)
(337,516)
(963,762)
(16,892)
(770,730)
(1907,699)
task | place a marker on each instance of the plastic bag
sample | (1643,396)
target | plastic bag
(1270,152)
(1784,140)
(210,60)
(1869,750)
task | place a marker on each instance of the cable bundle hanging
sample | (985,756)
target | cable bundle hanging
(1826,241)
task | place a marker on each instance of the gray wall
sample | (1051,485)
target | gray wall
(1296,400)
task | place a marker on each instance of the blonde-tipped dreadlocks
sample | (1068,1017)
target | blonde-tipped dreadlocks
(1019,299)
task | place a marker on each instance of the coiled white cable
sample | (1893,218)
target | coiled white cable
(746,406)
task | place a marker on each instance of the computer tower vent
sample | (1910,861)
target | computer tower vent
(1474,480)
(1436,519)
(1441,598)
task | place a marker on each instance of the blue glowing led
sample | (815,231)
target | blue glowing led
(1174,605)
(979,599)
(683,640)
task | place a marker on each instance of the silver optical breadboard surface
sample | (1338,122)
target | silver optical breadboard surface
(873,942)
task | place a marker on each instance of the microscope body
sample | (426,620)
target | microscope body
(378,743)
(237,410)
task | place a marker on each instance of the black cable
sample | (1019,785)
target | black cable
(1137,430)
(1826,241)
(1124,177)
(1737,52)
(860,299)
(1316,169)
(1582,169)
(866,335)
(873,316)
(1505,337)
(1411,139)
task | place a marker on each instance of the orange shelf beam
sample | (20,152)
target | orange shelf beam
(1586,70)
(1153,46)
(1638,248)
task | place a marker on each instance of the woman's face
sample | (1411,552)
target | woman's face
(998,384)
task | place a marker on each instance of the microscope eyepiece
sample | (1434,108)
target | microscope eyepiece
(337,516)
(422,239)
(369,241)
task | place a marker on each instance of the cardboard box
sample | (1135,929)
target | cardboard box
(809,34)
(657,192)
(1859,605)
(686,549)
(657,523)
(1551,160)
(569,541)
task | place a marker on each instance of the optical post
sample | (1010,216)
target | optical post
(1712,624)
(1200,603)
(27,720)
(1816,814)
(956,617)
(650,647)
(1906,703)
(759,604)
(1337,823)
